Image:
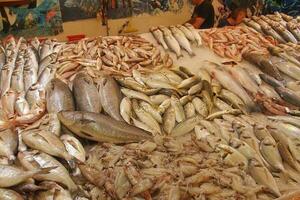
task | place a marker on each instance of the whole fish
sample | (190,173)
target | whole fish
(47,142)
(270,31)
(35,161)
(186,126)
(195,33)
(294,29)
(276,51)
(169,120)
(8,102)
(11,175)
(232,99)
(17,81)
(200,106)
(126,109)
(152,111)
(159,36)
(47,61)
(74,147)
(30,75)
(269,91)
(158,99)
(86,95)
(7,194)
(271,81)
(289,95)
(229,83)
(5,79)
(253,24)
(101,128)
(241,75)
(46,76)
(59,97)
(32,58)
(8,143)
(288,36)
(172,43)
(178,108)
(188,34)
(181,39)
(35,93)
(135,95)
(189,110)
(286,67)
(110,97)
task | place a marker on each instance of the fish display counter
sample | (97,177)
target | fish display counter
(176,113)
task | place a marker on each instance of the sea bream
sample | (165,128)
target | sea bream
(183,42)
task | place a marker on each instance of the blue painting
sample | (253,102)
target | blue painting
(39,19)
(79,9)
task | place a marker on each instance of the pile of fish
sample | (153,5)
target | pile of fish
(233,41)
(280,26)
(177,38)
(116,55)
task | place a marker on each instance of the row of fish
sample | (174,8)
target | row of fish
(280,26)
(114,55)
(233,41)
(177,38)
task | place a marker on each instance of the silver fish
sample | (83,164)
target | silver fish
(172,43)
(195,33)
(159,37)
(126,109)
(110,97)
(188,34)
(181,39)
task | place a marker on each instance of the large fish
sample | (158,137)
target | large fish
(101,128)
(110,96)
(159,37)
(182,40)
(86,94)
(59,97)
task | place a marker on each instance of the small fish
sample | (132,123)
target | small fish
(182,40)
(159,98)
(172,43)
(186,126)
(159,37)
(74,147)
(152,111)
(288,95)
(178,108)
(200,106)
(195,33)
(188,34)
(189,110)
(126,109)
(187,83)
(135,95)
(169,120)
(271,81)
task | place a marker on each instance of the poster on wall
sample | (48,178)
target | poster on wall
(39,18)
(126,8)
(73,10)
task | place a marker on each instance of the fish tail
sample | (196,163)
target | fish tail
(45,170)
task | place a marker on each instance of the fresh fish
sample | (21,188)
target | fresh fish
(253,25)
(221,105)
(159,37)
(101,128)
(270,31)
(74,147)
(11,175)
(7,194)
(35,93)
(135,95)
(200,106)
(8,143)
(241,75)
(262,176)
(294,29)
(2,57)
(223,112)
(276,51)
(178,108)
(46,62)
(288,95)
(195,33)
(269,91)
(47,142)
(271,81)
(146,117)
(30,76)
(46,76)
(152,111)
(181,39)
(35,161)
(172,43)
(169,120)
(189,82)
(185,99)
(195,88)
(229,83)
(126,109)
(189,110)
(32,58)
(5,79)
(164,106)
(8,102)
(86,95)
(293,85)
(17,81)
(158,99)
(295,121)
(143,126)
(59,97)
(186,126)
(188,34)
(288,36)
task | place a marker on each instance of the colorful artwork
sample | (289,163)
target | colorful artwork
(79,9)
(40,18)
(126,8)
(290,7)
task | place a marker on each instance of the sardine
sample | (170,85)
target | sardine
(30,76)
(86,95)
(101,128)
(182,40)
(35,161)
(59,97)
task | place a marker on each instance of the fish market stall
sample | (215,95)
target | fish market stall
(170,114)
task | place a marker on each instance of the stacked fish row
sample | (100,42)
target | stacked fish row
(116,55)
(280,26)
(26,68)
(231,157)
(177,38)
(232,42)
